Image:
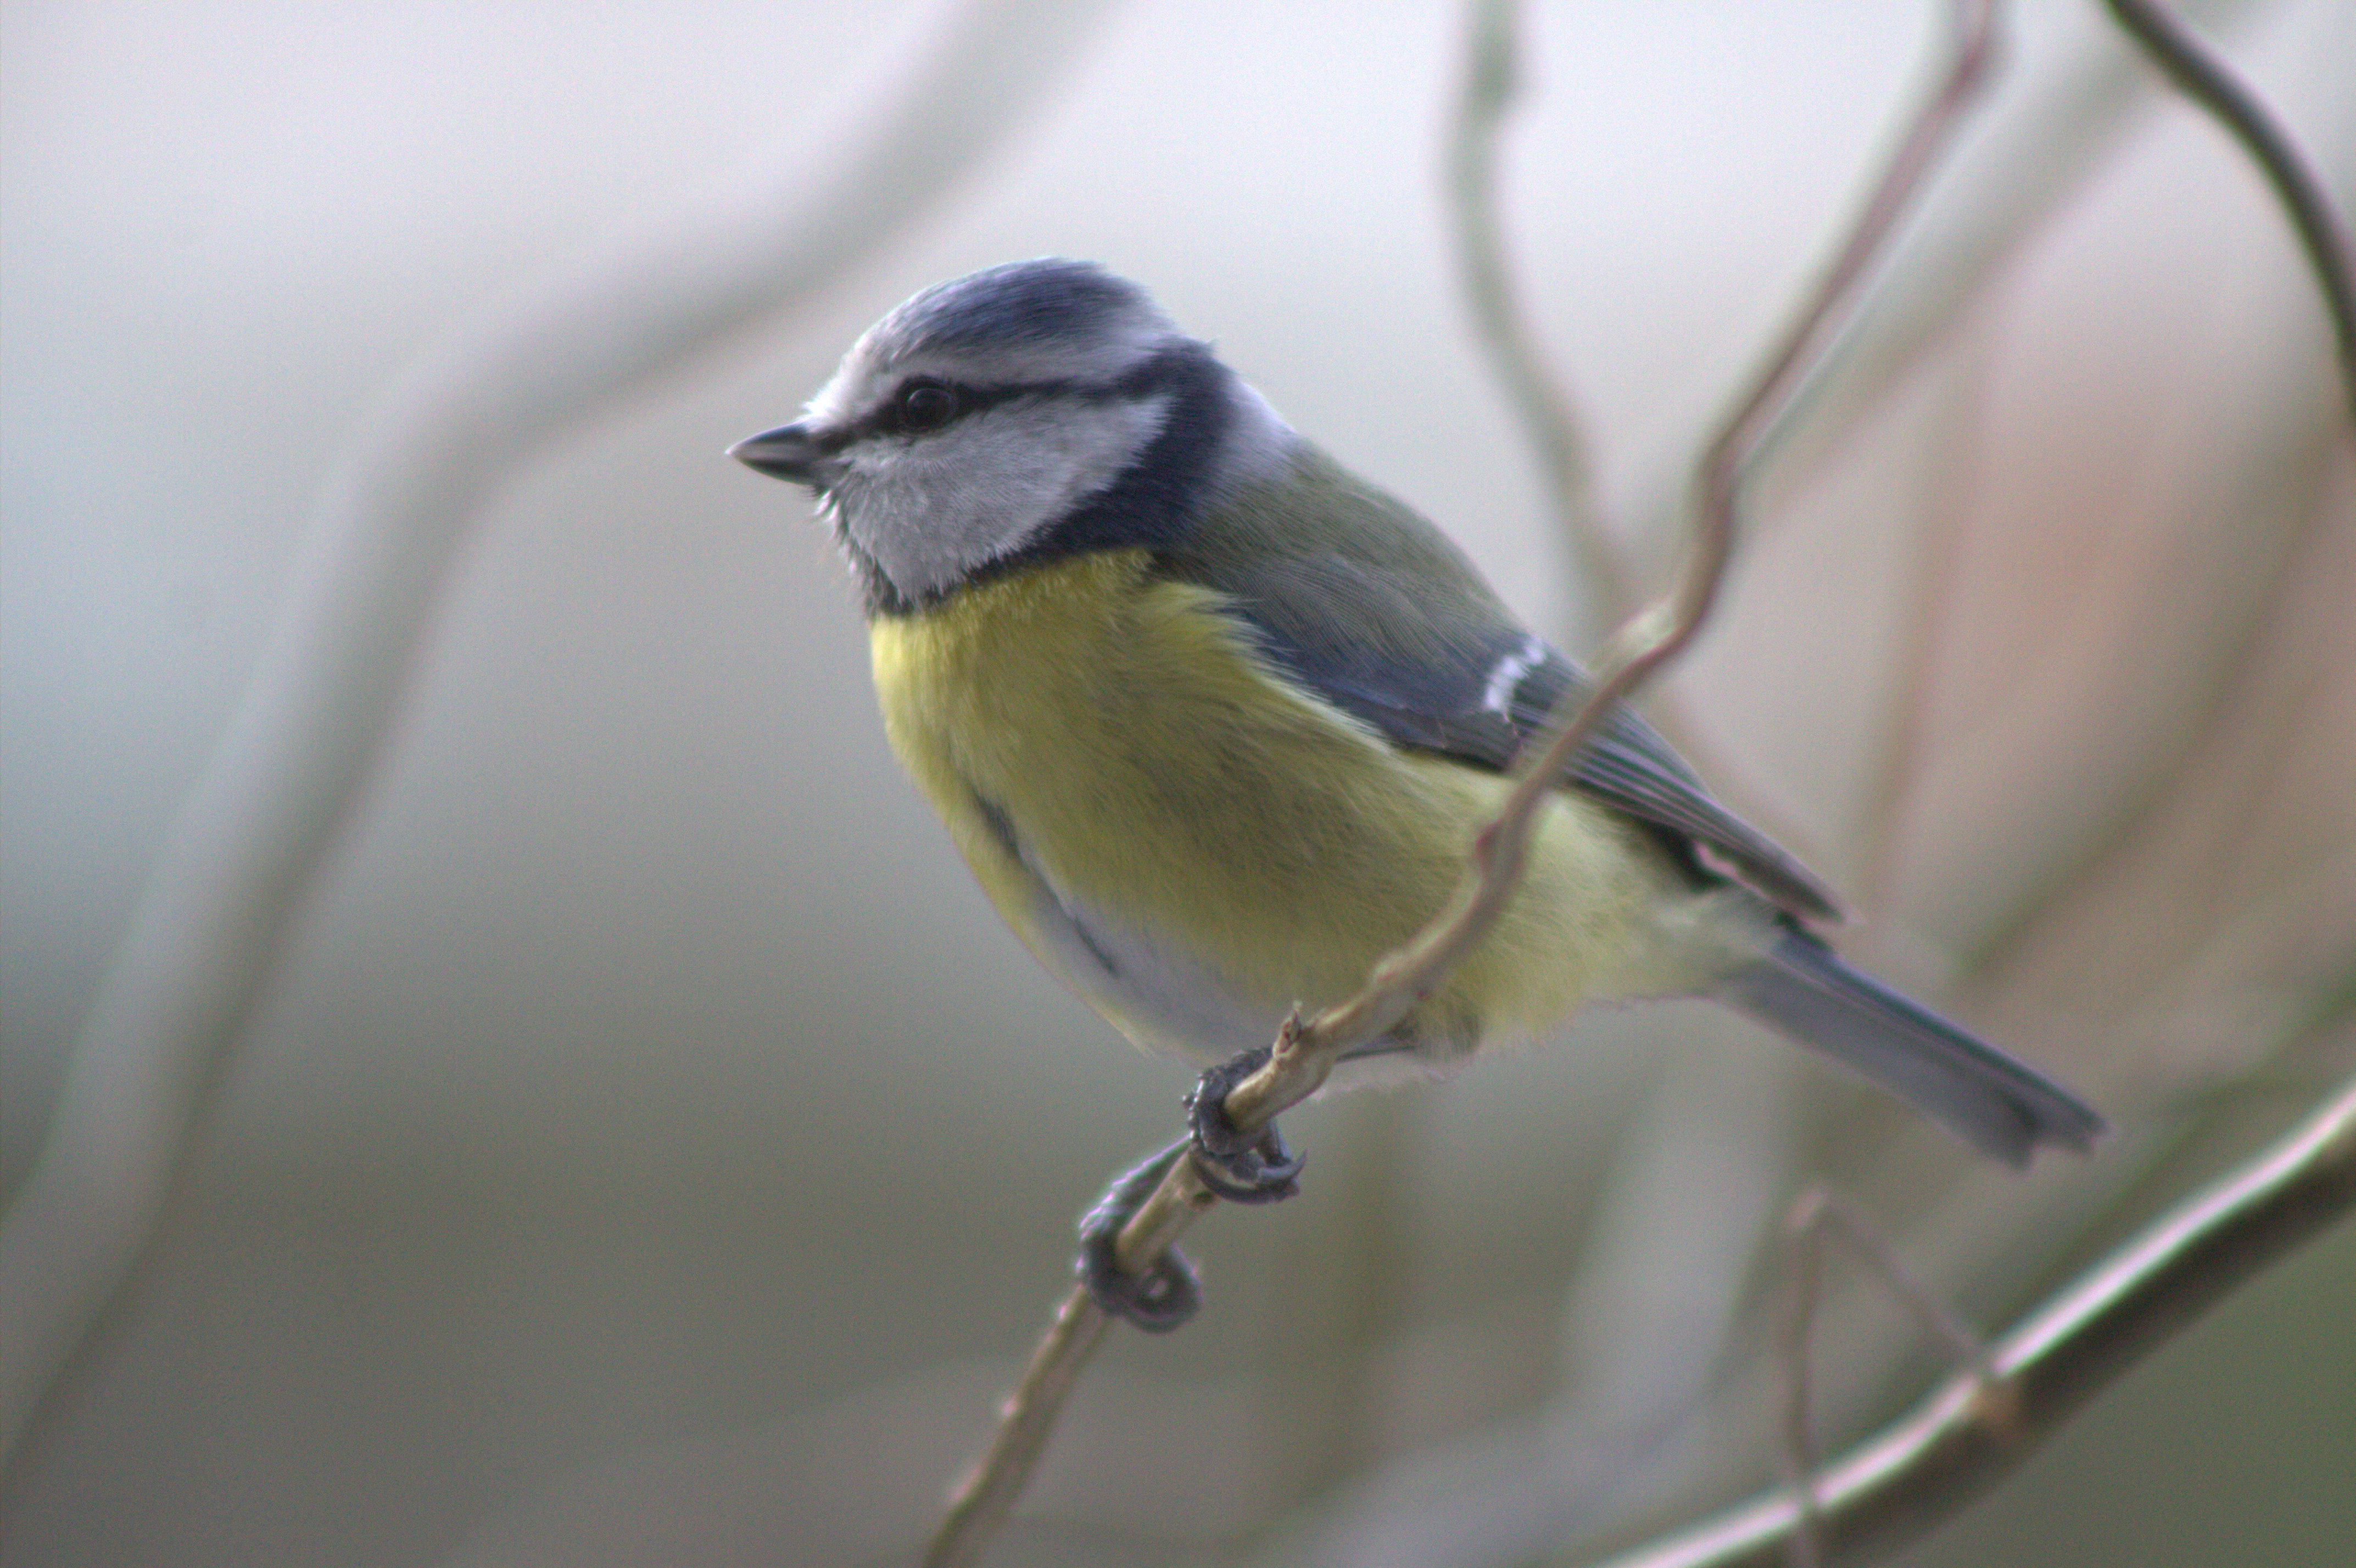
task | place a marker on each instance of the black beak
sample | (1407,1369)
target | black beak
(787,452)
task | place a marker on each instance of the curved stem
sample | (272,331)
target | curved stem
(2201,76)
(1491,79)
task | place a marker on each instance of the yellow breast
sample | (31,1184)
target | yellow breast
(1109,741)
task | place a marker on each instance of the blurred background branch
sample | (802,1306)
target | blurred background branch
(244,847)
(1549,423)
(2204,79)
(1600,574)
(2007,184)
(1975,1429)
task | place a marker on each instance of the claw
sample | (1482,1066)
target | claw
(1167,1293)
(1255,1169)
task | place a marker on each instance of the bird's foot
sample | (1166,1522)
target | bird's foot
(1166,1294)
(1254,1167)
(1240,1168)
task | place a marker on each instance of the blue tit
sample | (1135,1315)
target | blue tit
(1212,719)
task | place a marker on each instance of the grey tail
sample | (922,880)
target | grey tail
(1801,988)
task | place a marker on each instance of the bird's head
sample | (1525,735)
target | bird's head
(1017,413)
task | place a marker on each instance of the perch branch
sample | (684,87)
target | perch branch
(1973,1431)
(2201,76)
(1306,1048)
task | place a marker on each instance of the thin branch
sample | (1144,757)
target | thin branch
(1491,79)
(2201,76)
(1534,393)
(1307,1049)
(244,847)
(2059,124)
(1821,1218)
(1026,1420)
(1974,48)
(1970,1433)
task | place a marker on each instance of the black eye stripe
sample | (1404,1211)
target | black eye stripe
(1147,378)
(886,420)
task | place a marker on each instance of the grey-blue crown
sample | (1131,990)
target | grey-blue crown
(1051,299)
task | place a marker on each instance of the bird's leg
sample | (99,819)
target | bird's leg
(1241,1168)
(1166,1294)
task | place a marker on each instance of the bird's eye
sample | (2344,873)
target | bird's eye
(926,405)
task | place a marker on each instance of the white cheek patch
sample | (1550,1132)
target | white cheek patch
(932,509)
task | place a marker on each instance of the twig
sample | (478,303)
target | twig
(1820,1218)
(1491,79)
(242,852)
(1307,1049)
(1959,1442)
(2059,123)
(2201,76)
(1026,1421)
(1534,393)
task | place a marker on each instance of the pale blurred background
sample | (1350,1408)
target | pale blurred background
(649,1149)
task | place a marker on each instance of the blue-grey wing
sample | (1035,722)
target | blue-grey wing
(1359,600)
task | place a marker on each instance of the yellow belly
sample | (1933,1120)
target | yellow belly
(1110,745)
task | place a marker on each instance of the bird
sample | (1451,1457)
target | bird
(1213,721)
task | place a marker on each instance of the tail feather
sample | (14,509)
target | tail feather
(1802,989)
